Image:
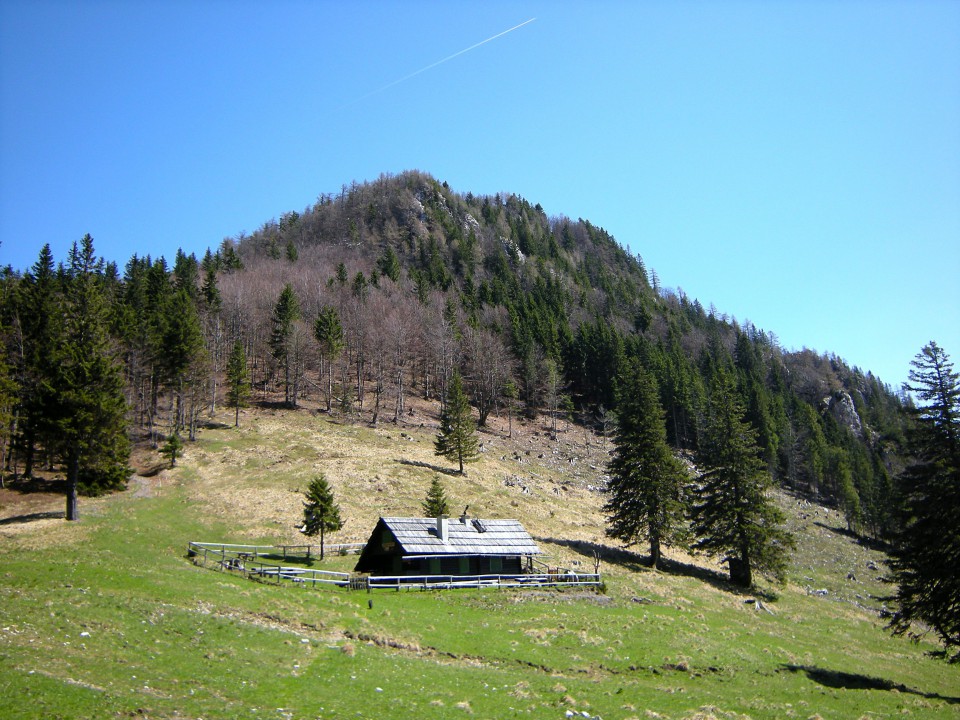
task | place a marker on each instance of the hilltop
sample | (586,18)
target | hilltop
(109,617)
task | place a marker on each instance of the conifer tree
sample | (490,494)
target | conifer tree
(457,438)
(320,511)
(328,332)
(926,556)
(172,449)
(8,399)
(181,346)
(238,381)
(389,264)
(89,405)
(285,313)
(40,326)
(435,504)
(732,516)
(646,479)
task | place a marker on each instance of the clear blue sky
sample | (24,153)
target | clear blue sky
(796,164)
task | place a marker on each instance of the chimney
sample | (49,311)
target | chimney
(442,530)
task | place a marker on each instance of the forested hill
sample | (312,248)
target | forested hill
(383,289)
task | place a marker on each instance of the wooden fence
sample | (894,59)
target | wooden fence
(306,552)
(247,560)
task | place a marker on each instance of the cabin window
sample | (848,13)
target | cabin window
(496,565)
(434,565)
(464,566)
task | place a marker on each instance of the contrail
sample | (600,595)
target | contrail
(441,62)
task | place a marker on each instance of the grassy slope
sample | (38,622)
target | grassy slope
(165,638)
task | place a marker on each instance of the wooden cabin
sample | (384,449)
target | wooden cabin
(447,546)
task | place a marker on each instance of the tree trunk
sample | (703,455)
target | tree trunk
(740,573)
(654,552)
(330,386)
(73,479)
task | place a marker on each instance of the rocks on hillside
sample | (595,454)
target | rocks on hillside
(840,406)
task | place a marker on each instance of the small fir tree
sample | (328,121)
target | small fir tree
(320,511)
(238,381)
(457,438)
(646,479)
(173,449)
(435,504)
(732,516)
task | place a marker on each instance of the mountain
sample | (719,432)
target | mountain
(559,306)
(378,293)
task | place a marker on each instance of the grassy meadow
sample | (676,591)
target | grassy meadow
(109,618)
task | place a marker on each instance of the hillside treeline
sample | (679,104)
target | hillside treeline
(382,290)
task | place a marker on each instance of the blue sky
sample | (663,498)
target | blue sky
(796,164)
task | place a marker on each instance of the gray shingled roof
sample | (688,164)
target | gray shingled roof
(418,536)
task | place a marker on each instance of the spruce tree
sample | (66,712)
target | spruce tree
(732,515)
(320,511)
(8,400)
(328,332)
(181,346)
(89,404)
(646,479)
(285,313)
(238,381)
(435,504)
(926,557)
(457,438)
(172,449)
(40,317)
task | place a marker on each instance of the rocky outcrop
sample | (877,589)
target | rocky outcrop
(841,408)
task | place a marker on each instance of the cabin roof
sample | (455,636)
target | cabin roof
(465,536)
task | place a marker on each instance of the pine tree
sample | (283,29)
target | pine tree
(435,504)
(646,479)
(457,438)
(285,313)
(181,346)
(926,556)
(320,511)
(732,515)
(389,264)
(40,321)
(89,406)
(172,449)
(8,399)
(328,332)
(238,381)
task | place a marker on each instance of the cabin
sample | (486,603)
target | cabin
(447,546)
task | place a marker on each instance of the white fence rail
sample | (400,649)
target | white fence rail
(427,582)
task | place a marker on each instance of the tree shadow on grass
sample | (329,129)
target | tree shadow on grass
(636,562)
(854,681)
(27,486)
(589,550)
(870,543)
(32,517)
(435,468)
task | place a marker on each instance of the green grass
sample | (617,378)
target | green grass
(113,620)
